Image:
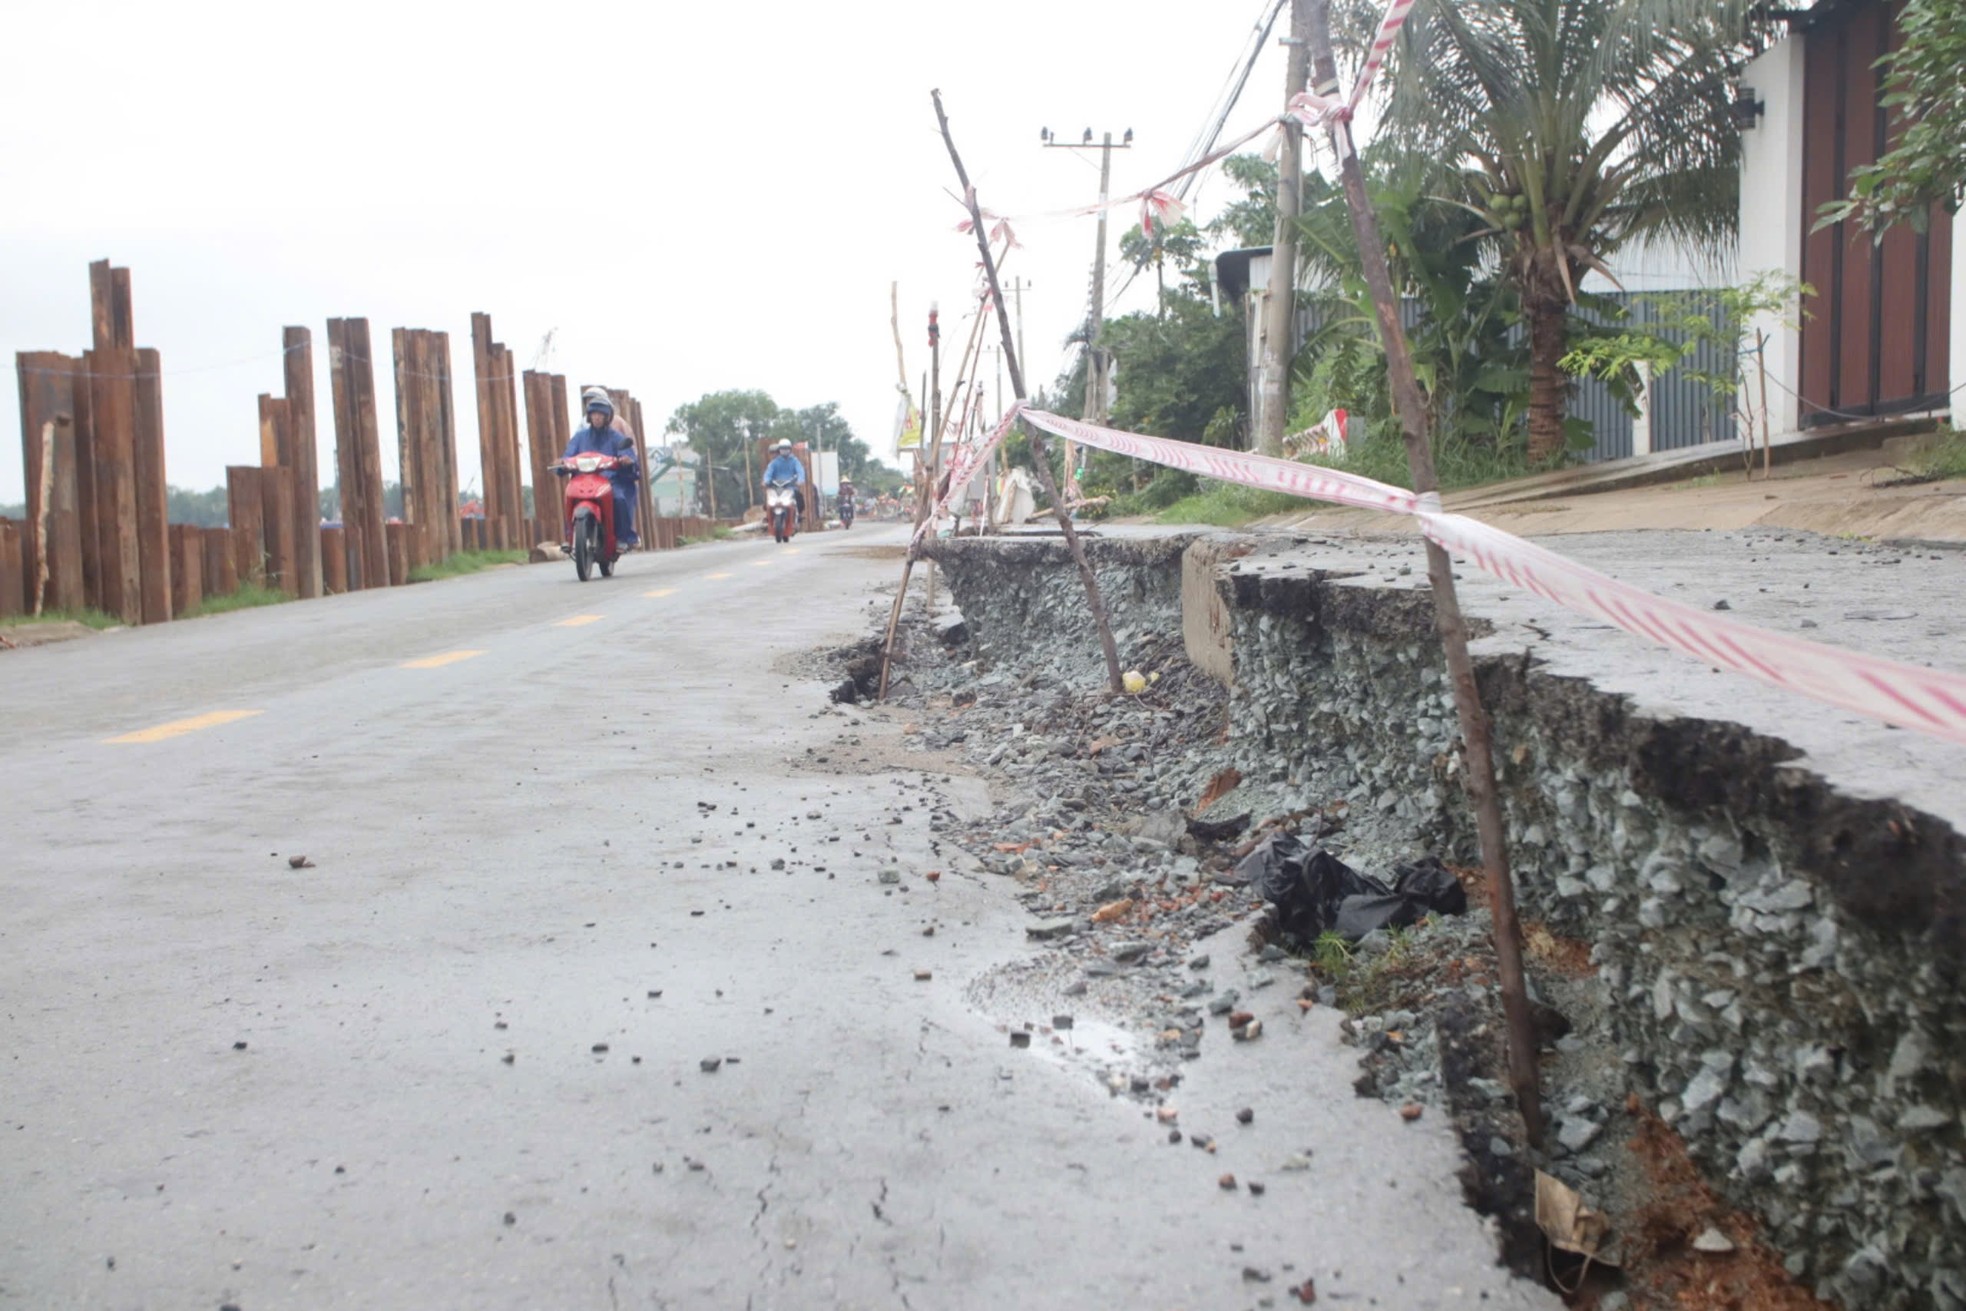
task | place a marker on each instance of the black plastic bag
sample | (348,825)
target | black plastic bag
(1358,916)
(1306,886)
(1431,885)
(1315,892)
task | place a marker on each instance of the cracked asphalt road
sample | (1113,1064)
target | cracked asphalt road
(457,1061)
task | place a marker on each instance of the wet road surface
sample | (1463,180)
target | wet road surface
(459,1061)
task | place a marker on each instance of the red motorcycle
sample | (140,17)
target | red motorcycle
(589,500)
(781,509)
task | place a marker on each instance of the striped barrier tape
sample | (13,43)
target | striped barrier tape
(1382,45)
(1314,110)
(1931,701)
(1309,480)
(963,466)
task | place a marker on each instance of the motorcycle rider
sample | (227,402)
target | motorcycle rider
(785,467)
(600,436)
(846,505)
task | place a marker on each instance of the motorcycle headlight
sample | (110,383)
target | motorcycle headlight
(587,463)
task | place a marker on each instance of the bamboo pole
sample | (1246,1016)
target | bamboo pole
(1452,626)
(1040,456)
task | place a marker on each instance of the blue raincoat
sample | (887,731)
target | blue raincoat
(589,440)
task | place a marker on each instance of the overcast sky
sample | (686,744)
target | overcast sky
(690,198)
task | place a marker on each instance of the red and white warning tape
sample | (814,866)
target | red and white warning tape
(963,466)
(1928,700)
(1382,44)
(1159,205)
(1311,480)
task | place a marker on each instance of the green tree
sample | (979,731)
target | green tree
(1927,163)
(722,427)
(1178,371)
(1180,242)
(824,428)
(1250,220)
(1576,127)
(1472,376)
(199,509)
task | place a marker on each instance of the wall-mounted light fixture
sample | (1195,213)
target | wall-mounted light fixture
(1746,109)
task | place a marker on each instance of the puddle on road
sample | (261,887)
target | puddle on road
(1088,1039)
(1029,995)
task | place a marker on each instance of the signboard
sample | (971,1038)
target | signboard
(907,426)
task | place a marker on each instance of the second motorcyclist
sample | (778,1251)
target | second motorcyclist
(785,467)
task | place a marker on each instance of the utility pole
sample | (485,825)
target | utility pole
(1017,286)
(1280,298)
(1095,357)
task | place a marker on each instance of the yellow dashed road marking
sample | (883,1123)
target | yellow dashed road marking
(439,661)
(659,593)
(790,550)
(179,727)
(579,621)
(716,578)
(759,564)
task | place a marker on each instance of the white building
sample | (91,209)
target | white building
(1878,337)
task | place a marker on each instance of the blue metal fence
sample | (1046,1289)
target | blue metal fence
(1685,411)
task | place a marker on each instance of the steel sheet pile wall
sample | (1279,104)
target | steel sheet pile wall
(96,535)
(426,446)
(92,439)
(548,429)
(498,437)
(358,458)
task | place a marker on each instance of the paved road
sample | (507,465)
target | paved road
(379,1082)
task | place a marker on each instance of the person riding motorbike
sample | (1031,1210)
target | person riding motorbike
(847,508)
(785,467)
(601,437)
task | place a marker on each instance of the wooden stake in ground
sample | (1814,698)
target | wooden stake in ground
(1475,736)
(924,495)
(1040,456)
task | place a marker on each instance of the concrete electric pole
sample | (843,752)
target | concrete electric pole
(1095,359)
(1280,296)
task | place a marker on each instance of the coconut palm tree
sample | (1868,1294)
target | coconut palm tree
(1577,127)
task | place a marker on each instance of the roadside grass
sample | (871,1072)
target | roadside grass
(1704,480)
(1945,458)
(716,535)
(1367,981)
(90,618)
(249,596)
(1228,505)
(1458,465)
(465,562)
